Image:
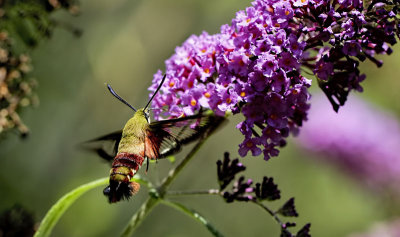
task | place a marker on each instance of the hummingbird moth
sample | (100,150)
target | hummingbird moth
(141,139)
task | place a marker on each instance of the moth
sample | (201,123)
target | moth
(141,139)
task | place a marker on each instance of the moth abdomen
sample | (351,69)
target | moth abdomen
(129,160)
(124,167)
(118,191)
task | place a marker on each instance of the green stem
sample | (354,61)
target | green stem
(218,192)
(139,216)
(174,172)
(195,215)
(194,192)
(272,213)
(58,209)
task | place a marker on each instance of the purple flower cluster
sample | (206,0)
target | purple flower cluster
(253,66)
(361,140)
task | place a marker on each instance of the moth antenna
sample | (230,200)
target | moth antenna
(155,93)
(119,97)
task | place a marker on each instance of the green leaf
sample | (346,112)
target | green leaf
(58,209)
(195,215)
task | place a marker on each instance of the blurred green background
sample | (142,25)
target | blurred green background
(124,43)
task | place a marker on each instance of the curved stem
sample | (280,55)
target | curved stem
(174,172)
(272,213)
(195,215)
(194,192)
(218,192)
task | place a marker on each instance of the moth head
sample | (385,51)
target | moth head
(146,113)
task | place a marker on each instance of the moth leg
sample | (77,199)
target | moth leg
(147,166)
(103,154)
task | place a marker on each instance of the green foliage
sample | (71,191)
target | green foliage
(58,209)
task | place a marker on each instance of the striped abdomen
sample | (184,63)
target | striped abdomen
(124,167)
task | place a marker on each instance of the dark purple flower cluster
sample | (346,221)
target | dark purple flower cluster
(344,33)
(253,66)
(246,191)
(288,209)
(227,170)
(242,189)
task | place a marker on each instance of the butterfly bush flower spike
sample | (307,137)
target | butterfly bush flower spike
(251,67)
(254,65)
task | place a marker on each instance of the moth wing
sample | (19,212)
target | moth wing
(153,141)
(167,136)
(105,146)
